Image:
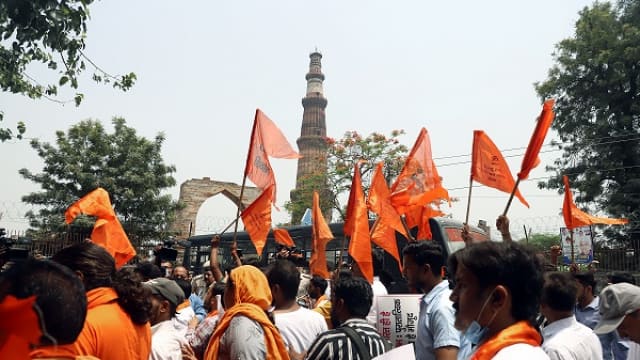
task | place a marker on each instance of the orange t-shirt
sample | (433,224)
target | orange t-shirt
(108,332)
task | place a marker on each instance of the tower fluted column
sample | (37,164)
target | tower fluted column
(312,167)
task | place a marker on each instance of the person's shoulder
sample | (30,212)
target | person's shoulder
(521,351)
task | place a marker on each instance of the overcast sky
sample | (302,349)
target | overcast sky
(204,66)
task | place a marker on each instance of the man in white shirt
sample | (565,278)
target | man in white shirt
(166,341)
(298,326)
(620,310)
(564,337)
(377,287)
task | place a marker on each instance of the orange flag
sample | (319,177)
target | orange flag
(489,168)
(424,229)
(360,239)
(283,238)
(266,140)
(574,217)
(418,182)
(321,236)
(20,327)
(257,219)
(530,159)
(385,236)
(379,202)
(107,231)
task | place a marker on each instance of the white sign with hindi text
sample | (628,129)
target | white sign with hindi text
(398,318)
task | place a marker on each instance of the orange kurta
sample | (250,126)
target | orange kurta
(109,333)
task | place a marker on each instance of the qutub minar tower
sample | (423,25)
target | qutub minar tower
(312,167)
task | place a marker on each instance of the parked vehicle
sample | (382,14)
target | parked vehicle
(445,231)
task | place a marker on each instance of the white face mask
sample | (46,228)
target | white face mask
(475,333)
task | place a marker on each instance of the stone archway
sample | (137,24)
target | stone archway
(194,192)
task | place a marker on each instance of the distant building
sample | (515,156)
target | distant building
(312,167)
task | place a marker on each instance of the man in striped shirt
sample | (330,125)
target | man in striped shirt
(351,300)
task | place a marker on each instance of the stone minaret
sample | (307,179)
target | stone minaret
(312,167)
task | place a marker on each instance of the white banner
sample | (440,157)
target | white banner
(398,318)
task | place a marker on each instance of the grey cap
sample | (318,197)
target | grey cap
(166,288)
(616,301)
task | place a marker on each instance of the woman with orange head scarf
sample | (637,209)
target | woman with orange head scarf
(246,331)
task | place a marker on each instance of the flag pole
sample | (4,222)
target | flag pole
(466,219)
(573,255)
(374,226)
(344,244)
(244,177)
(513,192)
(406,228)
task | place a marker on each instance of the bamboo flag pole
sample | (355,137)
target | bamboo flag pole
(344,244)
(374,226)
(466,219)
(244,176)
(573,253)
(406,228)
(513,192)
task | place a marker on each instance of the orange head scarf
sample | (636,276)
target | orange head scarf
(252,297)
(519,333)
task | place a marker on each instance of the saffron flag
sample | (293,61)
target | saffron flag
(379,202)
(358,215)
(574,217)
(530,159)
(107,230)
(488,166)
(385,236)
(424,229)
(20,327)
(320,237)
(283,238)
(266,140)
(418,182)
(257,219)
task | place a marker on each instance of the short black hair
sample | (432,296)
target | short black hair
(185,286)
(59,293)
(559,291)
(148,270)
(285,274)
(356,294)
(511,265)
(218,288)
(426,252)
(586,278)
(319,282)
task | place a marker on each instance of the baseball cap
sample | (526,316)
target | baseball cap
(616,301)
(166,288)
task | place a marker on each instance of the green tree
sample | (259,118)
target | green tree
(542,242)
(128,166)
(595,79)
(51,33)
(342,154)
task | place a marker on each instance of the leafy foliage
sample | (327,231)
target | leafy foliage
(128,166)
(596,80)
(342,154)
(543,242)
(51,33)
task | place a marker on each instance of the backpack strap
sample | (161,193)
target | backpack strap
(362,350)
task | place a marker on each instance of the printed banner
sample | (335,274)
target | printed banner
(398,318)
(582,246)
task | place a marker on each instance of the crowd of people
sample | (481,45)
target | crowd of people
(489,300)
